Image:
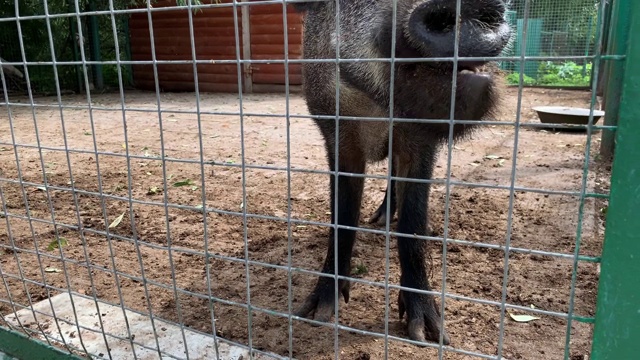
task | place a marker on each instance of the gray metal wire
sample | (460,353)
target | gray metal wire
(170,249)
(306,222)
(164,185)
(285,29)
(18,166)
(265,167)
(447,197)
(202,183)
(514,157)
(100,187)
(245,235)
(387,223)
(321,117)
(72,182)
(583,185)
(336,156)
(9,231)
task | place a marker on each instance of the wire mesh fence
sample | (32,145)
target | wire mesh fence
(554,29)
(194,225)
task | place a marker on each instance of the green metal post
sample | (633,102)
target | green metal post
(95,47)
(619,37)
(587,44)
(604,65)
(19,346)
(534,34)
(74,40)
(127,49)
(617,329)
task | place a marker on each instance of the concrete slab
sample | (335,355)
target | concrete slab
(113,320)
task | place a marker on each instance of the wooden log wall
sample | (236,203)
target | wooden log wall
(215,40)
(267,42)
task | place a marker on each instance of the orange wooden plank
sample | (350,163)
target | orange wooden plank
(294,79)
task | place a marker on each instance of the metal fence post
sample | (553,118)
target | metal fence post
(617,329)
(95,47)
(127,49)
(617,42)
(21,346)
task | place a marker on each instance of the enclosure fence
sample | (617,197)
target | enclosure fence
(133,226)
(554,29)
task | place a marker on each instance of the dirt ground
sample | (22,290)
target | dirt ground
(546,160)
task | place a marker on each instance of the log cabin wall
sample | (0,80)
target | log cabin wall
(267,43)
(261,37)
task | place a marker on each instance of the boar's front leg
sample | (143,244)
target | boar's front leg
(423,317)
(320,303)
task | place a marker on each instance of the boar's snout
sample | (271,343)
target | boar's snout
(484,32)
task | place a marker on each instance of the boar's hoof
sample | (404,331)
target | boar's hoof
(380,217)
(320,304)
(423,319)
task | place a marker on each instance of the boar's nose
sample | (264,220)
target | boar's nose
(483,29)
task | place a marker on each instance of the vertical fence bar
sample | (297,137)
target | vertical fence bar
(617,328)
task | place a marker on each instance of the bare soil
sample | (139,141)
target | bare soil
(546,161)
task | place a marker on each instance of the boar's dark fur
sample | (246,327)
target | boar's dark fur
(422,90)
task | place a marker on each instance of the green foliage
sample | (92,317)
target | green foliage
(552,74)
(575,18)
(514,79)
(66,40)
(565,74)
(110,74)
